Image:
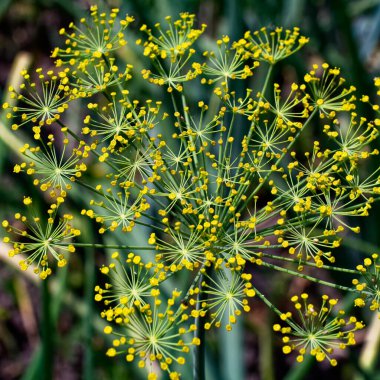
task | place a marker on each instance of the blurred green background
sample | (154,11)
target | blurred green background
(63,339)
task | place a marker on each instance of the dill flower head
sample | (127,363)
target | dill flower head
(173,44)
(116,209)
(97,77)
(41,102)
(185,249)
(174,41)
(227,62)
(38,240)
(317,331)
(130,283)
(271,46)
(121,122)
(328,91)
(152,333)
(93,38)
(225,296)
(52,169)
(369,285)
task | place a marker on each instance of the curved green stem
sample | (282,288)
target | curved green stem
(302,262)
(306,277)
(266,301)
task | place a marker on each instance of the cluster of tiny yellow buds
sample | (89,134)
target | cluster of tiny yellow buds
(117,211)
(227,63)
(52,170)
(120,122)
(174,42)
(271,46)
(153,333)
(93,39)
(375,106)
(39,103)
(309,246)
(354,146)
(37,240)
(327,90)
(317,331)
(224,296)
(130,284)
(96,78)
(369,285)
(172,82)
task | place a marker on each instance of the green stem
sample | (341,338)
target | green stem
(47,333)
(89,272)
(113,246)
(310,278)
(266,301)
(302,262)
(191,139)
(199,352)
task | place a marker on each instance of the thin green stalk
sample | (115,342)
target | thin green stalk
(302,262)
(112,246)
(89,272)
(199,352)
(266,301)
(306,277)
(194,154)
(47,333)
(58,288)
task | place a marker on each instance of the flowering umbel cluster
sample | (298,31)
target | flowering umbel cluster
(213,188)
(317,334)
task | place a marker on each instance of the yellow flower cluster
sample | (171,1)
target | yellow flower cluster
(314,332)
(36,240)
(152,333)
(174,42)
(40,103)
(271,46)
(369,285)
(209,188)
(94,38)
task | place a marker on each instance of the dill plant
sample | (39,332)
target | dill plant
(218,206)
